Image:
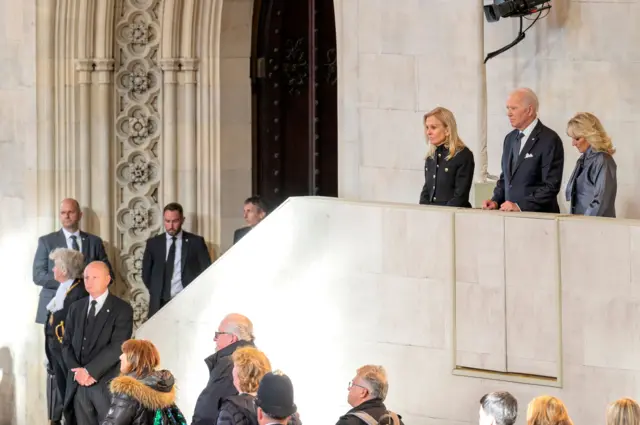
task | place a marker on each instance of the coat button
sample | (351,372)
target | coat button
(434,176)
(446,170)
(434,198)
(439,155)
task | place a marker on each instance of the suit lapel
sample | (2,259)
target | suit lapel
(531,141)
(61,240)
(85,244)
(183,254)
(101,319)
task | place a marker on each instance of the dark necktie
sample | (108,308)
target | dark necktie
(516,150)
(168,271)
(74,243)
(92,312)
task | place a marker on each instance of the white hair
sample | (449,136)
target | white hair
(529,97)
(69,261)
(239,326)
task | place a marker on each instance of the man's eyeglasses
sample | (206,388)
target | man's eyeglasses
(217,335)
(353,384)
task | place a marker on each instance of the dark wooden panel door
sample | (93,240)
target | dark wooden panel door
(295,98)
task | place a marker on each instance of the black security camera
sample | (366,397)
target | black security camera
(512,8)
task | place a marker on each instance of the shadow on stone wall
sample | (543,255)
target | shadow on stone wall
(7,388)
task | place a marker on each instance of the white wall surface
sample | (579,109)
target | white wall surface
(332,285)
(22,377)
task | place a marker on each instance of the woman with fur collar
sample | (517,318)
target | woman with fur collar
(142,395)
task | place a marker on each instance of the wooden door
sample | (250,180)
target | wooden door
(295,125)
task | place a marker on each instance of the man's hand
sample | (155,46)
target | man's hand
(509,207)
(82,377)
(489,205)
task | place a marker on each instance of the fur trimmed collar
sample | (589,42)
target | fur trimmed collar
(149,397)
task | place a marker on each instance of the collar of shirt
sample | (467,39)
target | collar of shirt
(527,131)
(100,300)
(178,236)
(68,234)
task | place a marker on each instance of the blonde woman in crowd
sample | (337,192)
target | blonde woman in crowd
(623,412)
(547,410)
(448,168)
(250,365)
(592,187)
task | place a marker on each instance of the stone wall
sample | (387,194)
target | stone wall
(455,303)
(21,350)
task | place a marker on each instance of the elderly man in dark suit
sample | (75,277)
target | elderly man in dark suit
(69,236)
(532,160)
(172,260)
(96,328)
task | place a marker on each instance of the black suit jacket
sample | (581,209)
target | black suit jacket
(92,248)
(114,325)
(240,233)
(448,181)
(535,181)
(194,260)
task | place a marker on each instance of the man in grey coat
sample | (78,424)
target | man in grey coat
(69,236)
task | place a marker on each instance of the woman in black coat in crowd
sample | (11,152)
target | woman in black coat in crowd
(449,166)
(142,395)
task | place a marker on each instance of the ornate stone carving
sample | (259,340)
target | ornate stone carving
(139,129)
(139,33)
(137,77)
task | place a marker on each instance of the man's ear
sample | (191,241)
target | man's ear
(260,414)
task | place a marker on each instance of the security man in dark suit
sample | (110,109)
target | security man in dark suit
(532,161)
(67,270)
(254,210)
(96,328)
(68,237)
(172,260)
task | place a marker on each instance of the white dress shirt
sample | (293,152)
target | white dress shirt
(527,132)
(100,301)
(176,279)
(57,302)
(67,236)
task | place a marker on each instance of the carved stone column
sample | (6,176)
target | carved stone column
(188,147)
(137,172)
(84,67)
(101,136)
(170,69)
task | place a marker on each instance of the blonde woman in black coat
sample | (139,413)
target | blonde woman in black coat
(449,166)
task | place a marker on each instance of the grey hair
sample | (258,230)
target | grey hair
(376,377)
(239,326)
(69,261)
(502,406)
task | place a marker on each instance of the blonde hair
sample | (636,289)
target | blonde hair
(587,125)
(623,412)
(453,142)
(376,377)
(143,357)
(547,410)
(251,365)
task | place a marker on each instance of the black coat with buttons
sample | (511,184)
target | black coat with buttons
(447,182)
